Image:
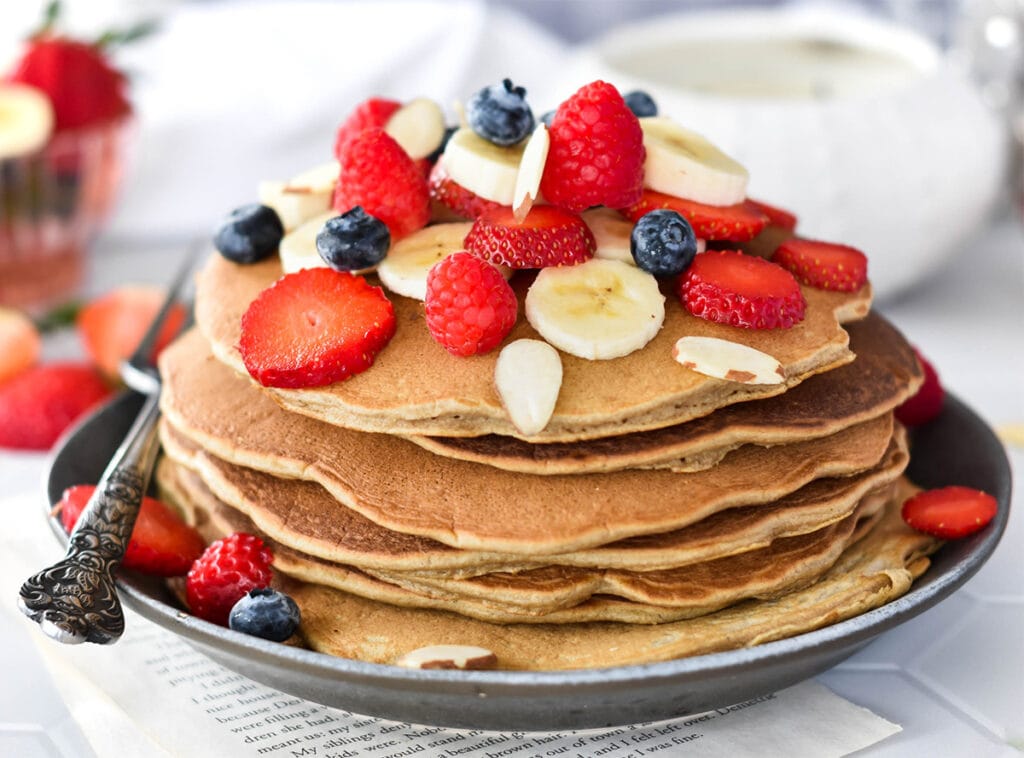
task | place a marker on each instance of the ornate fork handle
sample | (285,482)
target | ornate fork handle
(75,600)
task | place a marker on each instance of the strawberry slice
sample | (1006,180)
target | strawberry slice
(372,113)
(823,265)
(547,236)
(161,543)
(776,216)
(19,343)
(949,512)
(456,198)
(37,405)
(111,326)
(729,287)
(926,403)
(315,327)
(734,223)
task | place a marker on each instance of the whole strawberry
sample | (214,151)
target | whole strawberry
(226,571)
(83,86)
(37,405)
(597,151)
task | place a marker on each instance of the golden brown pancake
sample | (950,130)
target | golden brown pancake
(884,374)
(416,387)
(567,595)
(466,505)
(872,572)
(304,516)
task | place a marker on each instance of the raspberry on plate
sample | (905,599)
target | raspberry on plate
(378,174)
(824,265)
(37,405)
(455,197)
(315,327)
(226,571)
(927,402)
(371,113)
(734,223)
(597,151)
(729,287)
(161,543)
(547,236)
(470,308)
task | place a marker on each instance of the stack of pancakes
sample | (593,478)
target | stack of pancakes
(660,512)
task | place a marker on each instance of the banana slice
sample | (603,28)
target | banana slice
(531,169)
(685,164)
(298,248)
(611,233)
(596,310)
(482,167)
(418,126)
(404,269)
(26,119)
(303,196)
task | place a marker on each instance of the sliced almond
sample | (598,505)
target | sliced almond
(528,377)
(723,359)
(303,196)
(449,657)
(418,126)
(531,169)
(320,178)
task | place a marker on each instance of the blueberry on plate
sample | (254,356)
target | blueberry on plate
(663,243)
(641,104)
(353,241)
(265,613)
(500,114)
(249,234)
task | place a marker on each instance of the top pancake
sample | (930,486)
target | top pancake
(884,374)
(416,387)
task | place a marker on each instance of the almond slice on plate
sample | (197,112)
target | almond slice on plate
(528,377)
(531,169)
(723,359)
(449,657)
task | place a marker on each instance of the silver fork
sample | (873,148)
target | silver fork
(75,600)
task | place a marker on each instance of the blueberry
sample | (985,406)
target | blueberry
(448,132)
(353,241)
(547,117)
(265,613)
(641,104)
(249,234)
(663,243)
(500,114)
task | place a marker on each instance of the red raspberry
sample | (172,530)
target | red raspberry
(374,112)
(597,151)
(926,404)
(455,197)
(226,570)
(470,307)
(729,287)
(548,236)
(378,174)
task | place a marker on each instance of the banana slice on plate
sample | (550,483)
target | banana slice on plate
(26,119)
(685,164)
(482,167)
(303,196)
(404,270)
(596,310)
(611,233)
(298,248)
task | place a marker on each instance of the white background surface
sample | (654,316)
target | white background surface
(953,678)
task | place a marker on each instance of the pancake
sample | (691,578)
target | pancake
(404,488)
(304,516)
(872,572)
(884,374)
(563,595)
(416,387)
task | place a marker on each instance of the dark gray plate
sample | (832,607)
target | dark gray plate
(957,448)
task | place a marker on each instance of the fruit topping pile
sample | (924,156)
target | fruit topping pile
(608,205)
